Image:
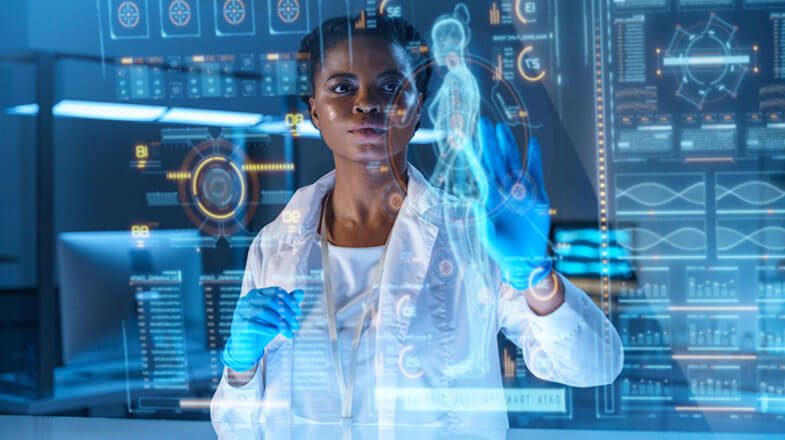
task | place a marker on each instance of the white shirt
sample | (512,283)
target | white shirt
(352,272)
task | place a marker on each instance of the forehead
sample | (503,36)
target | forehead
(369,57)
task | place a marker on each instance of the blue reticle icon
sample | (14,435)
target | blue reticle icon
(179,18)
(179,12)
(128,14)
(234,11)
(288,10)
(288,16)
(128,19)
(234,17)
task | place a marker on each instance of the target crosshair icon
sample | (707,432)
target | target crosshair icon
(128,14)
(288,10)
(180,12)
(234,11)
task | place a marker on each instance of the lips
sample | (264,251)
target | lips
(368,130)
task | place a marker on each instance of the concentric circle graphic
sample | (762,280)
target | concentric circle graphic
(707,62)
(218,187)
(219,197)
(128,14)
(179,12)
(288,10)
(234,11)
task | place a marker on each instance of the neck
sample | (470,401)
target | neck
(359,194)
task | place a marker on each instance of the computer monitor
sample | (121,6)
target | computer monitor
(100,295)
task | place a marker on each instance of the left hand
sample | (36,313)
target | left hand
(516,220)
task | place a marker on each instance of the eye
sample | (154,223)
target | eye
(341,88)
(392,86)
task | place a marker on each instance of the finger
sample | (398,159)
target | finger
(534,169)
(283,309)
(286,329)
(262,328)
(267,315)
(509,147)
(299,294)
(261,296)
(291,302)
(278,321)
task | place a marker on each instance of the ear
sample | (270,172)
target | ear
(312,110)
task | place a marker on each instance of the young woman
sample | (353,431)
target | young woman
(366,299)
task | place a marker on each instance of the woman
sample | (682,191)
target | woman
(400,327)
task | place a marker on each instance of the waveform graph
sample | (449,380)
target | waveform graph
(750,193)
(745,238)
(660,194)
(666,239)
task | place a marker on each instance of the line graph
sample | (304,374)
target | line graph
(750,238)
(748,193)
(663,194)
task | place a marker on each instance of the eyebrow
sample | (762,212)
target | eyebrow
(393,72)
(341,75)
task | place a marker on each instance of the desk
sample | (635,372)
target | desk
(68,428)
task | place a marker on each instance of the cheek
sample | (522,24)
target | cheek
(329,115)
(404,112)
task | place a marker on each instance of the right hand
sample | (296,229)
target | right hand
(260,316)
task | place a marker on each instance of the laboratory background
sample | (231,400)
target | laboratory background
(662,131)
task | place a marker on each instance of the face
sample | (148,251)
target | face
(364,105)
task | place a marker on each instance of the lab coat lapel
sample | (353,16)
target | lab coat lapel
(409,250)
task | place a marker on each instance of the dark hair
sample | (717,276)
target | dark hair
(394,30)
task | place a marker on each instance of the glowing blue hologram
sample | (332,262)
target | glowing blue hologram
(454,111)
(129,19)
(455,108)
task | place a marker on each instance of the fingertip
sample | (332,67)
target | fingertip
(299,294)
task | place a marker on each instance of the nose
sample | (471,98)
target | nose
(366,103)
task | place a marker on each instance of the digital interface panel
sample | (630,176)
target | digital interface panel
(679,106)
(689,141)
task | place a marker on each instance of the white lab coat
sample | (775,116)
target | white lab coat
(432,332)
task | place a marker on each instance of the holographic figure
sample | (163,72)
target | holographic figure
(454,113)
(455,108)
